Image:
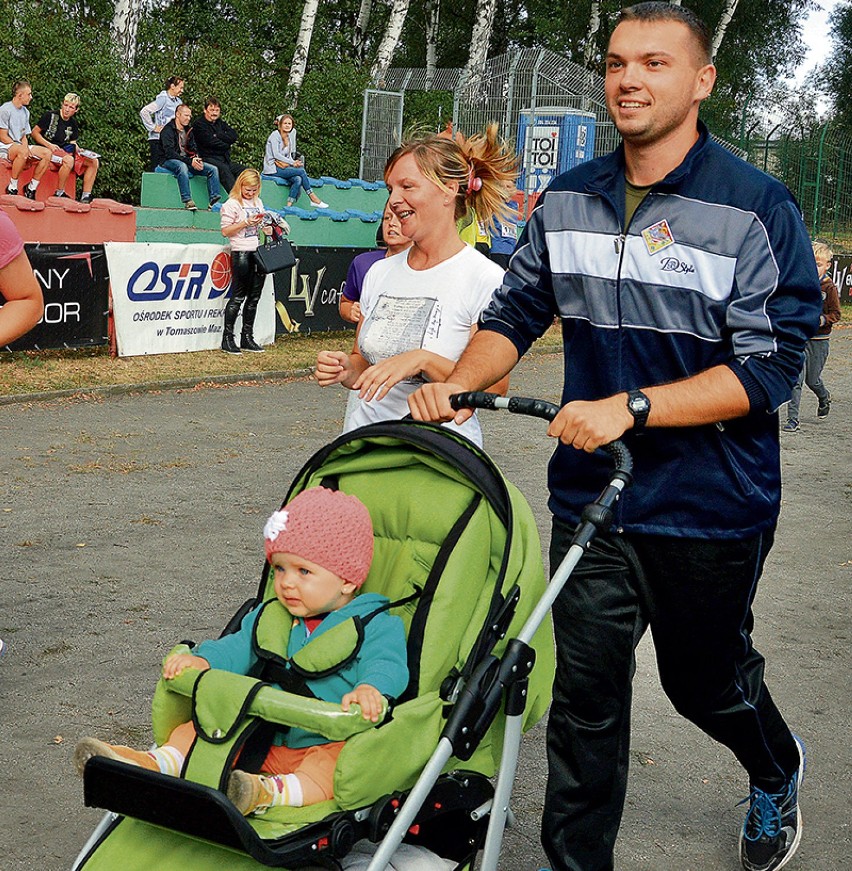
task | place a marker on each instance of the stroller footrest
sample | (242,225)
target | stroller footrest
(195,810)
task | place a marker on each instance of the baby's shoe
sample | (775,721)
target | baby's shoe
(250,792)
(89,747)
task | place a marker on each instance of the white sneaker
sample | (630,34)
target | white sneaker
(320,205)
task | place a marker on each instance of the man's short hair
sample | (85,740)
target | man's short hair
(658,11)
(72,98)
(211,101)
(19,86)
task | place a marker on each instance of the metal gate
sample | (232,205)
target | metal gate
(381,131)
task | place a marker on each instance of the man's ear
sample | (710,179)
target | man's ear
(705,82)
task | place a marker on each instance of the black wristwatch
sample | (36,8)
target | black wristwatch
(640,407)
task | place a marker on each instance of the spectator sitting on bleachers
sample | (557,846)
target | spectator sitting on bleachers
(59,132)
(14,127)
(180,158)
(158,113)
(215,138)
(282,160)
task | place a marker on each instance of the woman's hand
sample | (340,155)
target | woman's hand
(333,367)
(179,662)
(377,380)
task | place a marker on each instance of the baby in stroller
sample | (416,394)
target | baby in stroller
(320,547)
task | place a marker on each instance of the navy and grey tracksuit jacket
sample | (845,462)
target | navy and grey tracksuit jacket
(715,268)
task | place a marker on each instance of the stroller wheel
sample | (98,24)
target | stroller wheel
(381,817)
(342,837)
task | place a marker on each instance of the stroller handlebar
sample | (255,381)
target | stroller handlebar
(535,408)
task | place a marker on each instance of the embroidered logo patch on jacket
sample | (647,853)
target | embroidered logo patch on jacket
(658,236)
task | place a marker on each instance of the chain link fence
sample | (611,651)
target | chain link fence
(816,164)
(533,94)
(381,131)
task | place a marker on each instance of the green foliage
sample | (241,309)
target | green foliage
(222,50)
(58,55)
(838,67)
(240,51)
(427,110)
(328,118)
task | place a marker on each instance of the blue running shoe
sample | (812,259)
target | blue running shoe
(773,825)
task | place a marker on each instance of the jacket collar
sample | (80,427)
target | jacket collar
(609,179)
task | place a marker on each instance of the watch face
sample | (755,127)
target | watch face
(638,404)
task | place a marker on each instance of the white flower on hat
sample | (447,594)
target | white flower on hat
(276,524)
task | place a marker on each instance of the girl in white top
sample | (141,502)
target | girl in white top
(420,308)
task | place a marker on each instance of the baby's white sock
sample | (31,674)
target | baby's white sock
(287,789)
(169,758)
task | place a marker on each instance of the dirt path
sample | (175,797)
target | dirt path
(134,521)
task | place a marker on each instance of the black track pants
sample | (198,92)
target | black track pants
(696,595)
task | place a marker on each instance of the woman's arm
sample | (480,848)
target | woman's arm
(350,310)
(377,380)
(24,302)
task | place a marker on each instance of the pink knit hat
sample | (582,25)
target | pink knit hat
(326,527)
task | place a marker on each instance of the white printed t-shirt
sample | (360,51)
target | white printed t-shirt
(435,309)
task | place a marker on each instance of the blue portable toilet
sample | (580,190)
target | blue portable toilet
(552,140)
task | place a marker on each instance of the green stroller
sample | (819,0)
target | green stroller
(458,554)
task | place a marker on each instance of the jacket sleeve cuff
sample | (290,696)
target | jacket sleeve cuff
(757,398)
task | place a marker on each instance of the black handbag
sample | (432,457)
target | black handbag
(275,255)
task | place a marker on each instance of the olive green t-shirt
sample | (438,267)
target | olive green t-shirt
(633,196)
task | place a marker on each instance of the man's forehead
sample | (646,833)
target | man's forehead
(634,37)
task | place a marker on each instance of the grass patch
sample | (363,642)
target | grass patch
(85,369)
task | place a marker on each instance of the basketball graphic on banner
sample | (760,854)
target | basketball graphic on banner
(220,271)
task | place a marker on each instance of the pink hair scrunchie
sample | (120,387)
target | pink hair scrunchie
(474,183)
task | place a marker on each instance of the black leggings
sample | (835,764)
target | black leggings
(246,286)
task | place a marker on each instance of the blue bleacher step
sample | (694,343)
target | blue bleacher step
(296,212)
(366,217)
(340,185)
(367,185)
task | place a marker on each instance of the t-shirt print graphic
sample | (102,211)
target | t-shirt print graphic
(397,324)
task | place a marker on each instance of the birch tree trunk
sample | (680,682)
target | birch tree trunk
(433,15)
(722,27)
(384,56)
(594,27)
(480,39)
(125,22)
(300,55)
(359,42)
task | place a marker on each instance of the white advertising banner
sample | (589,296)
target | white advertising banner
(169,298)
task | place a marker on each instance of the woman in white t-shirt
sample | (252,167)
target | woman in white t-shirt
(241,221)
(420,308)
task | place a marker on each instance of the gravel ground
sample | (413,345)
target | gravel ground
(130,522)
